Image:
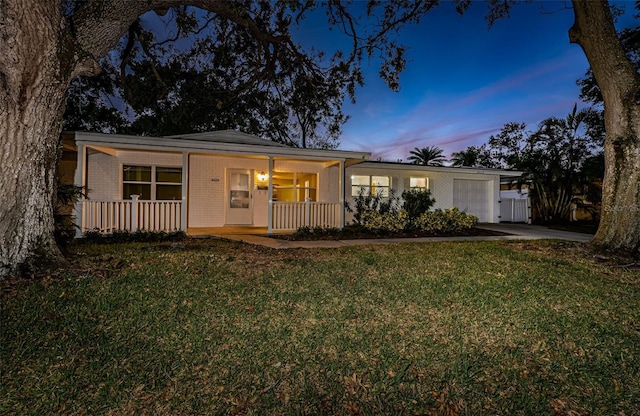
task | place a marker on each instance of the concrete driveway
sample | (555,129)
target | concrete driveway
(536,232)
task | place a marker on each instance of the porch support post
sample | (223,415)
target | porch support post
(270,204)
(341,173)
(134,213)
(185,183)
(79,180)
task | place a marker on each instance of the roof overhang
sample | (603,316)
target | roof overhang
(194,146)
(447,169)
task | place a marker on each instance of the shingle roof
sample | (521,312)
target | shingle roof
(227,136)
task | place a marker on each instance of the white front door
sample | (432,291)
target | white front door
(239,199)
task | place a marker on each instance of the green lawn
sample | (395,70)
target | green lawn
(212,327)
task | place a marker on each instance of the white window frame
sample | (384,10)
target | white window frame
(355,189)
(419,188)
(153,182)
(295,188)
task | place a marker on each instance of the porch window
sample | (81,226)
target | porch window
(374,185)
(168,183)
(419,184)
(295,187)
(152,182)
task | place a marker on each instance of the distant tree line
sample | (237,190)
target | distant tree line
(562,159)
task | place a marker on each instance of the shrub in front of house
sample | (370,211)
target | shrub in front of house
(416,202)
(367,203)
(391,222)
(317,232)
(445,221)
(140,236)
(63,214)
(392,215)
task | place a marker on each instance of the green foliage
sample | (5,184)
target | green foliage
(385,215)
(88,106)
(474,156)
(390,221)
(140,236)
(213,84)
(445,221)
(214,72)
(317,232)
(366,202)
(427,156)
(469,328)
(63,218)
(552,158)
(416,202)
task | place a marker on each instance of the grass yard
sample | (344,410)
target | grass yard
(213,327)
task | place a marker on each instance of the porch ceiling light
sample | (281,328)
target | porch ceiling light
(262,176)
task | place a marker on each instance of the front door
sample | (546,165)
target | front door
(239,200)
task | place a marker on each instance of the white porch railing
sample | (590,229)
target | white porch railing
(131,215)
(287,216)
(514,210)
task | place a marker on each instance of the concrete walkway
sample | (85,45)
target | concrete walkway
(537,232)
(517,231)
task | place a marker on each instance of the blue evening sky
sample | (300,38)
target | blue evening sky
(463,82)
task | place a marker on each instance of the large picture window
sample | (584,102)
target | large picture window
(374,185)
(295,187)
(152,182)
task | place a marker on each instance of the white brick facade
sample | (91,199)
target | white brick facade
(440,182)
(104,172)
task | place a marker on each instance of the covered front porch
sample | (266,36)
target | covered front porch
(207,181)
(107,216)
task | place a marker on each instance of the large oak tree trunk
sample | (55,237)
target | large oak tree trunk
(620,85)
(33,81)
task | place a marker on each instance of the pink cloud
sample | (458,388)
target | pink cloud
(454,122)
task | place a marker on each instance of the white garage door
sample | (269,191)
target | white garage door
(472,197)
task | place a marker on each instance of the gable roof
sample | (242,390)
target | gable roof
(227,142)
(227,136)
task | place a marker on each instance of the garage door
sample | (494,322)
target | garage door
(472,197)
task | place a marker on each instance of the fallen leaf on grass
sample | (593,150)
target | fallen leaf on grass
(561,407)
(353,384)
(353,408)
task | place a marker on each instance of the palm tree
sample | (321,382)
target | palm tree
(427,156)
(467,157)
(558,151)
(474,156)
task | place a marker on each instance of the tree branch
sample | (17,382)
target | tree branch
(99,24)
(179,32)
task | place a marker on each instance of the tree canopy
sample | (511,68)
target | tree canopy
(473,156)
(214,83)
(558,159)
